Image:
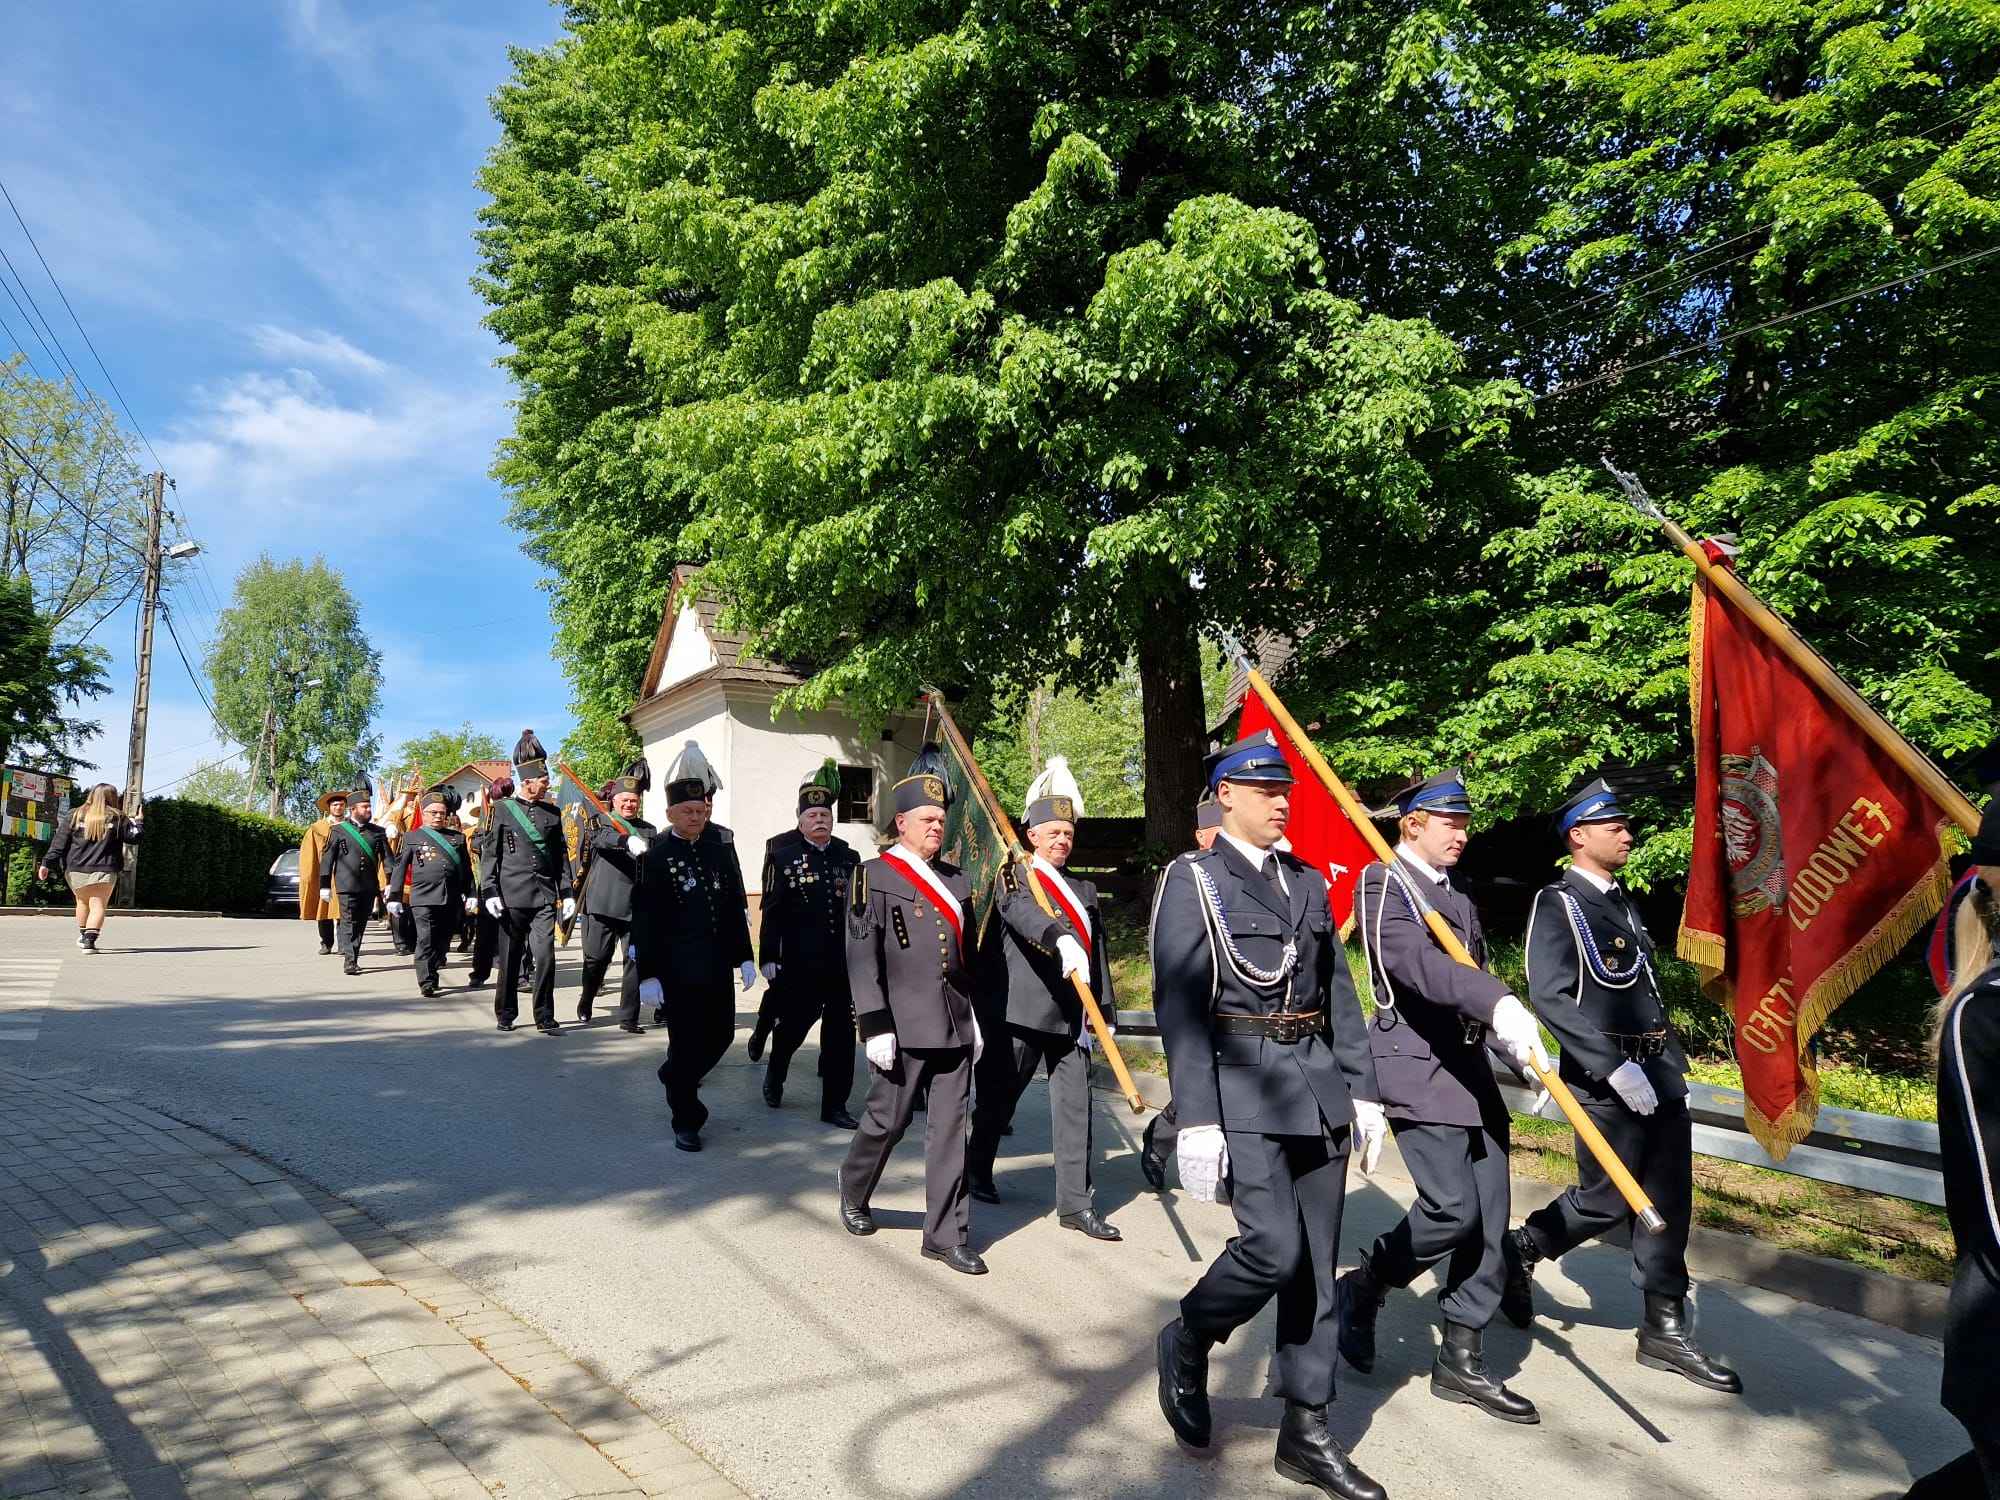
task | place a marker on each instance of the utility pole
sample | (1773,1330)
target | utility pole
(135,753)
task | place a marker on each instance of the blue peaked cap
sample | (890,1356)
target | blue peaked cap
(1596,803)
(1255,758)
(1442,792)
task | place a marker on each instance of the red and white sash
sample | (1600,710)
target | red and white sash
(932,890)
(1051,881)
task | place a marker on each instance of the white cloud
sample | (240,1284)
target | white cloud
(316,349)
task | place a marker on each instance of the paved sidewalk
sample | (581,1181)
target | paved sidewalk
(179,1319)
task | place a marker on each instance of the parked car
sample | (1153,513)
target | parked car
(283,890)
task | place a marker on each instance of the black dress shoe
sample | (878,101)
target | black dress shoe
(548,1028)
(428,989)
(324,948)
(504,1026)
(350,967)
(757,1038)
(582,1016)
(659,1015)
(1357,1297)
(1460,1375)
(1666,1344)
(856,1220)
(1308,1454)
(980,1190)
(633,1027)
(1517,1298)
(774,1096)
(842,1119)
(1090,1223)
(1183,1361)
(960,1258)
(687,1140)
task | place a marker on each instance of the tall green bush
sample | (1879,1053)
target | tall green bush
(198,857)
(19,858)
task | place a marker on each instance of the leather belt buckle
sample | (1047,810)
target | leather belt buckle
(1474,1032)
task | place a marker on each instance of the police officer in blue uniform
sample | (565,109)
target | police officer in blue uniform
(803,942)
(1273,1082)
(1592,982)
(1437,1025)
(690,929)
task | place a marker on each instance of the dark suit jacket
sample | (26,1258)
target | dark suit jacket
(436,879)
(613,872)
(1424,1002)
(513,868)
(688,925)
(804,924)
(1251,1083)
(1036,994)
(351,868)
(905,966)
(1579,1006)
(1969,1144)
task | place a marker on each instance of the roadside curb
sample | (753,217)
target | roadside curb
(1896,1301)
(118,911)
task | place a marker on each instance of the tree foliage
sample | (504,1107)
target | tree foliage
(42,685)
(990,348)
(289,651)
(443,751)
(74,502)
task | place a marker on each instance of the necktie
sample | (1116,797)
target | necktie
(1271,874)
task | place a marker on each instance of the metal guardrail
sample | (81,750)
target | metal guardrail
(1874,1153)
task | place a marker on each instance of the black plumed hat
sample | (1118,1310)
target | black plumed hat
(531,761)
(638,779)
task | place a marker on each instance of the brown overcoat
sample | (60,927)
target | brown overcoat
(311,847)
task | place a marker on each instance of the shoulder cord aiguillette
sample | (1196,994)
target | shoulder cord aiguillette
(1218,924)
(1586,945)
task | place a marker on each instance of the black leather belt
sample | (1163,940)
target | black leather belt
(1638,1047)
(1285,1026)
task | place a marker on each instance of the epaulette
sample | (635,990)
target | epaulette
(857,888)
(1009,878)
(722,834)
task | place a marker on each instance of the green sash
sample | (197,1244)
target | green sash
(443,843)
(360,838)
(527,824)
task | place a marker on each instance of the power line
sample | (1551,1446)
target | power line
(236,754)
(56,490)
(1729,338)
(166,615)
(126,408)
(28,317)
(20,347)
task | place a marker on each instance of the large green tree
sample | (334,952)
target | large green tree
(967,348)
(443,751)
(43,684)
(296,680)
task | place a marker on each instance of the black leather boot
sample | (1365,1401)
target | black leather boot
(1183,1360)
(1459,1374)
(1665,1344)
(1517,1300)
(1359,1295)
(1308,1454)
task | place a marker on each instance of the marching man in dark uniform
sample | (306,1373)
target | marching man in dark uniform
(1045,1026)
(351,865)
(910,974)
(617,845)
(804,942)
(436,867)
(1435,1020)
(1591,978)
(524,879)
(689,930)
(1273,1083)
(1163,1130)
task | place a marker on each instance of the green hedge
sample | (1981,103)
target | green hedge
(21,856)
(199,857)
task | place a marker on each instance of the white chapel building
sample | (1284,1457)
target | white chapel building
(701,685)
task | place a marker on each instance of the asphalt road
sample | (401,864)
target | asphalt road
(721,1293)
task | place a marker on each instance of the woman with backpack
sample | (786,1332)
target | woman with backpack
(89,850)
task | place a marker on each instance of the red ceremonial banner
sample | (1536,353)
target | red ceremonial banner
(1815,858)
(1318,831)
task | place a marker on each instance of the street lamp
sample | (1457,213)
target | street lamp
(181,550)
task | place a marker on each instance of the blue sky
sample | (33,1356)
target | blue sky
(262,213)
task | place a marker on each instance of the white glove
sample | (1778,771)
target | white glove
(395,908)
(1203,1157)
(568,909)
(493,906)
(651,994)
(325,894)
(1074,959)
(771,971)
(471,906)
(1371,1126)
(1634,1087)
(978,1039)
(749,972)
(882,1050)
(1516,1031)
(635,846)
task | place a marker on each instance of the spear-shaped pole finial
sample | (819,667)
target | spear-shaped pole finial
(1635,493)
